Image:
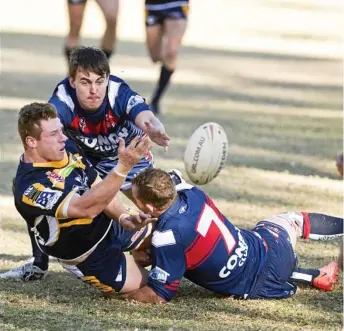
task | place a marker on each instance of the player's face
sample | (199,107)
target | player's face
(51,145)
(90,89)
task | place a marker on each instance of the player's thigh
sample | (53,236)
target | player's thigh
(136,276)
(290,221)
(154,34)
(174,30)
(76,11)
(109,8)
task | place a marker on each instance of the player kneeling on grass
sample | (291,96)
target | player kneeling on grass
(193,239)
(73,214)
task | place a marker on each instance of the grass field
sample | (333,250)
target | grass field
(284,120)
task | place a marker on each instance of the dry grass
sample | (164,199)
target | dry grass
(283,115)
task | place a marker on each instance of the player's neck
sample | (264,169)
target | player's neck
(31,157)
(159,212)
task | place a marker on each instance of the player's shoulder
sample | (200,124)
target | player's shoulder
(62,96)
(27,178)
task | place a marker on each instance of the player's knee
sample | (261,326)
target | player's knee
(171,55)
(156,58)
(111,20)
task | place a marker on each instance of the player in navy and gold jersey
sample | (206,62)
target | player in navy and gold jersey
(70,210)
(96,109)
(166,20)
(193,239)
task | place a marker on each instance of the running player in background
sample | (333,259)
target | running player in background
(166,22)
(193,239)
(76,10)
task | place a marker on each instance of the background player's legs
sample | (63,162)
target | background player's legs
(110,10)
(154,35)
(173,31)
(76,11)
(136,276)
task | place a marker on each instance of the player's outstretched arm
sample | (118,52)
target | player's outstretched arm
(151,125)
(99,196)
(128,219)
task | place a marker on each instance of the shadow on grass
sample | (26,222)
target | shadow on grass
(62,302)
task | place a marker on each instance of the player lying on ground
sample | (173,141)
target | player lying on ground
(70,210)
(193,239)
(96,109)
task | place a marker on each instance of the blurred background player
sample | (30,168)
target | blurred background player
(166,23)
(76,10)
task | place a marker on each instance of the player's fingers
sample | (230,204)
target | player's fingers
(134,142)
(149,220)
(121,143)
(144,145)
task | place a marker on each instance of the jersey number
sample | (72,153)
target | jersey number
(211,229)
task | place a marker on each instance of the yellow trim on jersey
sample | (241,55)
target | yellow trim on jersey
(53,164)
(79,221)
(58,209)
(93,281)
(31,201)
(185,10)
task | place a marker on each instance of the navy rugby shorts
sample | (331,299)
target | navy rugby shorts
(105,268)
(274,281)
(158,16)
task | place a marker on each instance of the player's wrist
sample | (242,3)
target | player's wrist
(121,170)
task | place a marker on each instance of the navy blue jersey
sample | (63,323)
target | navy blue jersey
(193,239)
(40,189)
(97,132)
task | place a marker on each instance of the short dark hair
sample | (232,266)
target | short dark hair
(90,59)
(155,186)
(30,117)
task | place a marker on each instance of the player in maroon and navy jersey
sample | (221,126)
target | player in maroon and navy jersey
(193,239)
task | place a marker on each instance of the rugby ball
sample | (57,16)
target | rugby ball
(205,153)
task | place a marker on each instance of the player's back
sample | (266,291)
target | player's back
(218,255)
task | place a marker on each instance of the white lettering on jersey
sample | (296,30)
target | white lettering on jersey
(237,258)
(134,100)
(113,92)
(65,97)
(159,274)
(161,239)
(104,143)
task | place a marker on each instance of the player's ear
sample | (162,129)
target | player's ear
(31,142)
(150,208)
(71,82)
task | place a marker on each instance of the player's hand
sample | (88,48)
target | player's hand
(135,222)
(134,152)
(157,135)
(142,257)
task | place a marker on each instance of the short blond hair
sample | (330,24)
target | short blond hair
(155,186)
